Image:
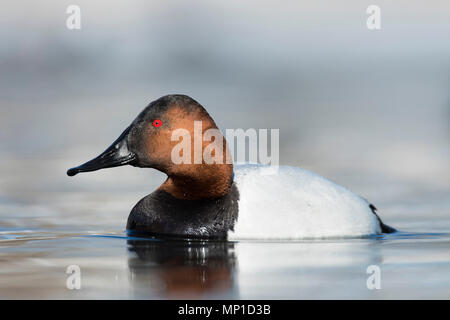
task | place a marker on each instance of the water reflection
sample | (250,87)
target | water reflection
(177,268)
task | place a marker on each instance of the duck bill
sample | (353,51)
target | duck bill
(116,155)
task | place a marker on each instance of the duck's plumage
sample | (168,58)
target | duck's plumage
(290,202)
(219,201)
(159,213)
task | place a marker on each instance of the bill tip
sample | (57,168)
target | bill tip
(71,172)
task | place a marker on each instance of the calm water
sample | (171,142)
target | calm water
(114,266)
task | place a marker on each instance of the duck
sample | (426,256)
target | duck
(221,200)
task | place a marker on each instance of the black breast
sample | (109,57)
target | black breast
(161,214)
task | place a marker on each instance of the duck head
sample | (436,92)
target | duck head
(152,140)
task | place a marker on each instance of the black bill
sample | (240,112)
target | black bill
(116,155)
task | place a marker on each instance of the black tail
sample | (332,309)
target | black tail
(384,227)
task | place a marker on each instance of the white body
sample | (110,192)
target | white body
(294,203)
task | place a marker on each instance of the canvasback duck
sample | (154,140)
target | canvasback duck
(215,200)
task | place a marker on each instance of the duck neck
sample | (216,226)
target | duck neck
(199,182)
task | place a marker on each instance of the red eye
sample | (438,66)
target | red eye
(157,123)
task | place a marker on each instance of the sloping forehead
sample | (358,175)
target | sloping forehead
(182,103)
(172,109)
(154,109)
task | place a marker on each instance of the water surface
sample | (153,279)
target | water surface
(114,266)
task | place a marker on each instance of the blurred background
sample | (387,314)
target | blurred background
(369,109)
